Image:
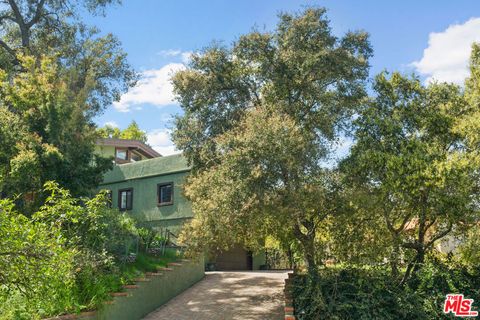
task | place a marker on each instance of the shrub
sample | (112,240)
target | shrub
(371,293)
(66,258)
(352,293)
(34,266)
(88,224)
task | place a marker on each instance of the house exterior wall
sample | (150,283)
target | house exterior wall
(143,177)
(105,151)
(110,151)
(144,204)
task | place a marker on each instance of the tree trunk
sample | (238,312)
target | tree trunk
(394,261)
(309,248)
(308,245)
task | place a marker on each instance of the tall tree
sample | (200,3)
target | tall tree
(44,135)
(412,161)
(132,132)
(57,74)
(95,65)
(300,72)
(267,184)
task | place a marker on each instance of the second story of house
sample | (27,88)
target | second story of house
(124,150)
(151,190)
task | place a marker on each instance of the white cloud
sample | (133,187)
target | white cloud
(167,150)
(169,53)
(183,55)
(447,55)
(186,56)
(111,124)
(161,142)
(154,87)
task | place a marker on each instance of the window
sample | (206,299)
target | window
(165,194)
(125,199)
(121,154)
(136,157)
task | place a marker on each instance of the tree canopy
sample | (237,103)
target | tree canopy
(44,135)
(259,119)
(410,158)
(56,75)
(132,132)
(301,68)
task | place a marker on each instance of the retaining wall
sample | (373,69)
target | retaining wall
(148,293)
(153,291)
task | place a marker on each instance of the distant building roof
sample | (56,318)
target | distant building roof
(126,143)
(147,168)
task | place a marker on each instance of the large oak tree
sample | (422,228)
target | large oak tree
(301,73)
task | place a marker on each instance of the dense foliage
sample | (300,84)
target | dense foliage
(43,135)
(370,293)
(132,132)
(259,119)
(67,257)
(56,74)
(411,160)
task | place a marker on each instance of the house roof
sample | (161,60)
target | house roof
(132,144)
(147,168)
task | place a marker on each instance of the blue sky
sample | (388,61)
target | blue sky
(431,38)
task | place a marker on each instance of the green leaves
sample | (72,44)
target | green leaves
(300,70)
(44,135)
(49,262)
(411,157)
(132,132)
(259,120)
(33,259)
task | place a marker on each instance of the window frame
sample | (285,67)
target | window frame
(133,155)
(127,208)
(127,158)
(159,185)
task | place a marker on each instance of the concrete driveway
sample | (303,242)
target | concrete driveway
(228,296)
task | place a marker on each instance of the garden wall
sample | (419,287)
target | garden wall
(153,291)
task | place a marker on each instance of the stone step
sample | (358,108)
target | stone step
(131,286)
(153,274)
(119,294)
(164,269)
(174,264)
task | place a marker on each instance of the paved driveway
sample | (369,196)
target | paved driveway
(228,296)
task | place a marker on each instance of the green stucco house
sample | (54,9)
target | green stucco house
(151,190)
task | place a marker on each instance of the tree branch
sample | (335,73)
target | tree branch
(439,235)
(5,46)
(38,14)
(24,31)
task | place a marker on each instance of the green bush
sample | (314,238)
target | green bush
(352,293)
(36,269)
(88,224)
(356,293)
(66,258)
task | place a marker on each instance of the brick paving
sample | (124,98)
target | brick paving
(228,296)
